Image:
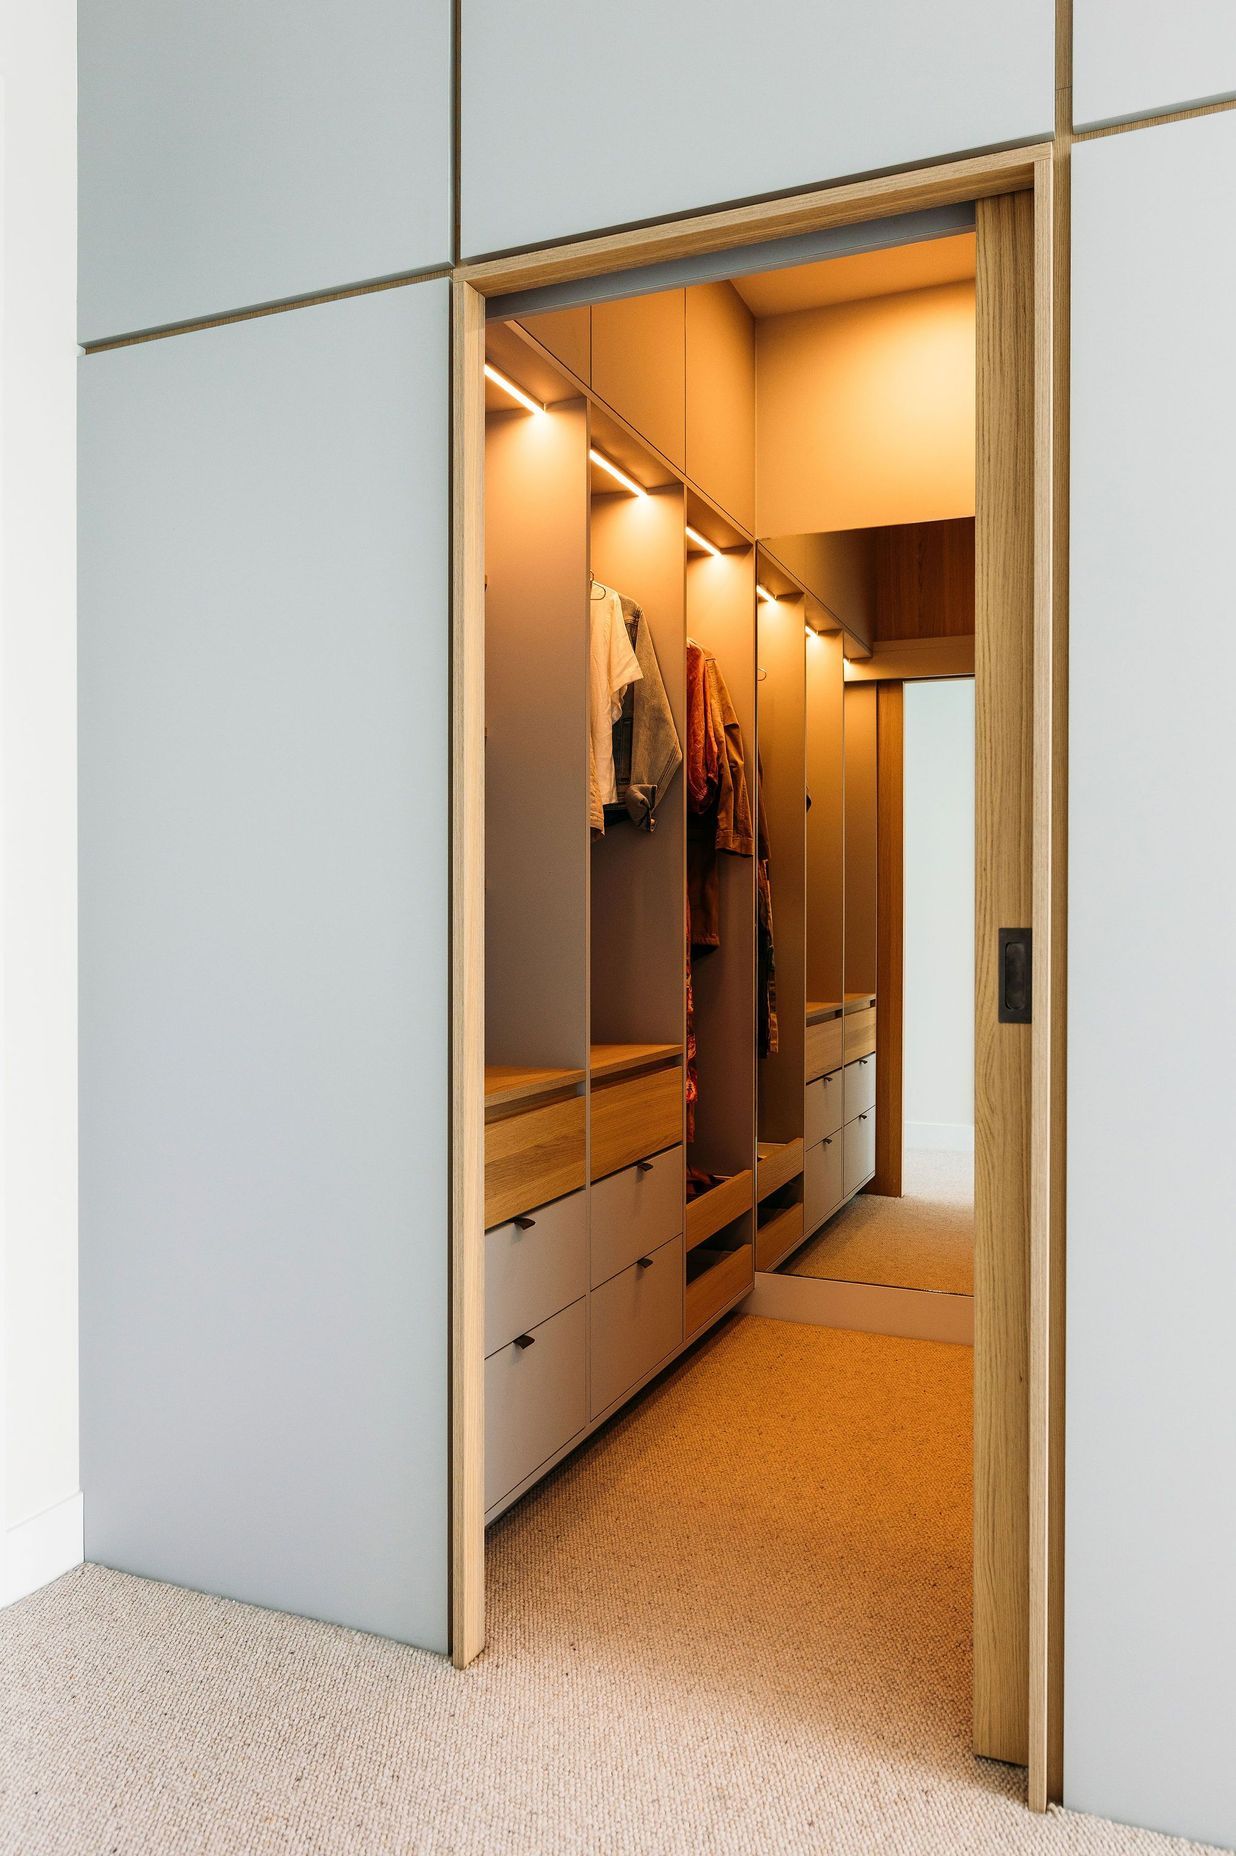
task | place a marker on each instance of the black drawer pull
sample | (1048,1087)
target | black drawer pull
(643,1263)
(524,1224)
(864,1061)
(828,1140)
(863,1117)
(643,1166)
(525,1340)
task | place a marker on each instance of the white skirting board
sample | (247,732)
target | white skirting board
(40,1549)
(867,1308)
(950,1136)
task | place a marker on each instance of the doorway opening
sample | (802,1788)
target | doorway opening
(640,966)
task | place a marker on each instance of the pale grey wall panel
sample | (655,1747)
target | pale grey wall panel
(264,891)
(235,153)
(1141,58)
(579,118)
(1151,1409)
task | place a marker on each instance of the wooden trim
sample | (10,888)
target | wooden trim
(467,1248)
(907,658)
(979,177)
(1147,122)
(890,936)
(1049,1033)
(1005,555)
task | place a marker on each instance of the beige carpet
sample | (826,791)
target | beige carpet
(738,1623)
(924,1240)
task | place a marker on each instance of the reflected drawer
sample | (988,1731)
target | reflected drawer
(534,1400)
(858,1163)
(534,1265)
(823,1112)
(636,1321)
(823,1189)
(635,1211)
(635,1116)
(776,1235)
(859,1087)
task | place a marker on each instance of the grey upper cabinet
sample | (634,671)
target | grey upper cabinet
(1141,58)
(264,959)
(576,119)
(234,153)
(1150,1628)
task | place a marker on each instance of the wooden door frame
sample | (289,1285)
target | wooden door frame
(984,177)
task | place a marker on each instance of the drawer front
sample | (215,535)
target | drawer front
(860,1033)
(534,1265)
(859,1087)
(823,1189)
(859,1161)
(634,1117)
(823,1047)
(535,1400)
(777,1235)
(533,1157)
(636,1321)
(824,1113)
(635,1212)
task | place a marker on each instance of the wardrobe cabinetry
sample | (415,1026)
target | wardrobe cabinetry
(679,951)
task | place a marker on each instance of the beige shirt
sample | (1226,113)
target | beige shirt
(612,667)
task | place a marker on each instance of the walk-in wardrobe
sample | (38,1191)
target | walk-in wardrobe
(681,818)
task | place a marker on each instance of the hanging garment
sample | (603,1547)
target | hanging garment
(765,954)
(647,751)
(718,803)
(692,1067)
(612,665)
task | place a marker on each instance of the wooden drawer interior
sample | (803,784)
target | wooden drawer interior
(709,1212)
(717,1275)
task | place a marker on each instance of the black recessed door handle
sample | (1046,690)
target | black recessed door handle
(643,1263)
(1016,973)
(643,1166)
(525,1340)
(525,1224)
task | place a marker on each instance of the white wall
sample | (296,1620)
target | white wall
(1140,58)
(1150,1516)
(939,914)
(40,1510)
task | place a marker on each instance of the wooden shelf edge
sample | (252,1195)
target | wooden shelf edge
(606,1060)
(506,1083)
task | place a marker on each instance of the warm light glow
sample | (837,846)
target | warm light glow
(508,386)
(762,592)
(701,541)
(619,476)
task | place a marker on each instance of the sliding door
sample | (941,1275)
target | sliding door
(264,959)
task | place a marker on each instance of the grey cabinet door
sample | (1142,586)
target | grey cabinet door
(1150,1623)
(1140,58)
(234,154)
(575,119)
(264,890)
